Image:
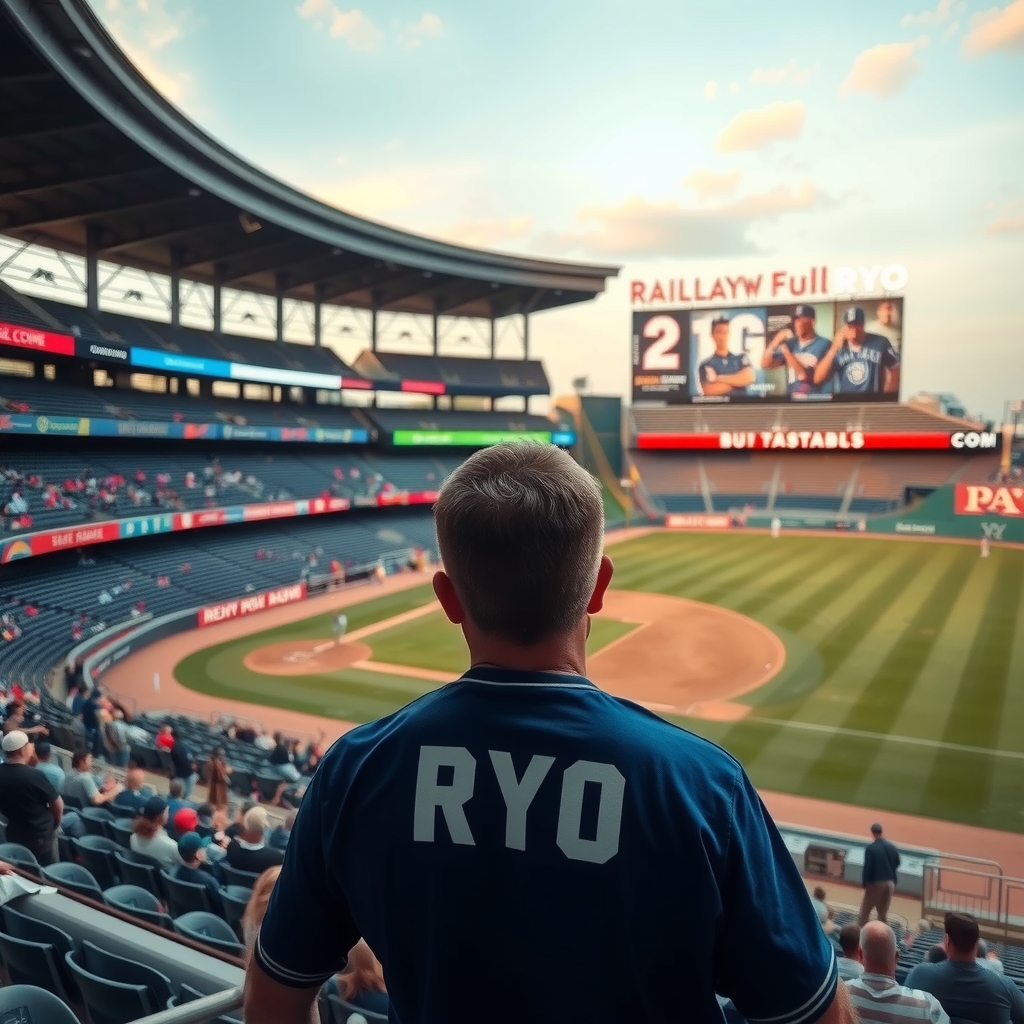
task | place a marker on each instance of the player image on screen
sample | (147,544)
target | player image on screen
(725,371)
(799,349)
(886,322)
(858,362)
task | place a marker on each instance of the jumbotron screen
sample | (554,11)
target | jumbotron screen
(801,352)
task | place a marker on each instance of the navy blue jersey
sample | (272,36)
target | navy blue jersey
(525,847)
(808,355)
(721,366)
(859,370)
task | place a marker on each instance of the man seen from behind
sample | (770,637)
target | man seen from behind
(520,825)
(881,859)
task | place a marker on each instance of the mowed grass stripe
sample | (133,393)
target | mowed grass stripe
(877,699)
(670,572)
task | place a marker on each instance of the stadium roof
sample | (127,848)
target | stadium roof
(87,145)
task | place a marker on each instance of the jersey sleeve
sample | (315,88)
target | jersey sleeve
(308,928)
(890,357)
(772,958)
(90,788)
(702,371)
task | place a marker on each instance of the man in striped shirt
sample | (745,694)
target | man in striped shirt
(876,996)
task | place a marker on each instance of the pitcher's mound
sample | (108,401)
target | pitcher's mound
(305,657)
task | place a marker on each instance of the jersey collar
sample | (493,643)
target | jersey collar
(491,674)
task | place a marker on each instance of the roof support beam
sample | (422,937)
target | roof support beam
(218,301)
(175,262)
(70,178)
(92,270)
(85,212)
(166,236)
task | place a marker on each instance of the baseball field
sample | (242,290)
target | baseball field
(882,673)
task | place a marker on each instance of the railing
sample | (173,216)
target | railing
(199,1010)
(963,884)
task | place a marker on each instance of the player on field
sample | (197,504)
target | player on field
(340,626)
(725,371)
(858,362)
(799,349)
(521,847)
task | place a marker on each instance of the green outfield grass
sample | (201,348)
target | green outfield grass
(903,686)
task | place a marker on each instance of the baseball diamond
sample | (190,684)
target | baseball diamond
(896,660)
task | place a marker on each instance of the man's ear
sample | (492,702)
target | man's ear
(444,590)
(604,577)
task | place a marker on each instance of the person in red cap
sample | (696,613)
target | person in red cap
(185,820)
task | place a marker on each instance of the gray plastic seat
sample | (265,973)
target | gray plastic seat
(20,856)
(73,877)
(236,877)
(121,968)
(110,1002)
(209,929)
(139,903)
(235,899)
(97,856)
(30,1004)
(31,929)
(184,897)
(33,963)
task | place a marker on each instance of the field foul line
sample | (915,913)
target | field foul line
(913,741)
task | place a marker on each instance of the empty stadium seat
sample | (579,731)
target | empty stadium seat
(138,869)
(183,897)
(73,877)
(138,902)
(209,929)
(31,1004)
(33,963)
(235,899)
(20,856)
(244,879)
(97,856)
(108,1001)
(121,832)
(96,821)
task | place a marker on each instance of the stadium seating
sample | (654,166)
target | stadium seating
(207,928)
(137,902)
(31,1003)
(73,877)
(510,376)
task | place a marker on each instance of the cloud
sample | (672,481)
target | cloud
(1009,222)
(996,29)
(486,233)
(790,72)
(734,88)
(428,27)
(884,70)
(943,9)
(711,184)
(711,90)
(755,128)
(144,27)
(354,27)
(638,228)
(951,30)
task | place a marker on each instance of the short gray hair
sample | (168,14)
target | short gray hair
(520,528)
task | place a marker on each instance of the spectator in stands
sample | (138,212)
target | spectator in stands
(282,833)
(876,995)
(248,851)
(256,908)
(362,982)
(263,741)
(185,768)
(821,908)
(282,759)
(80,787)
(49,768)
(90,718)
(114,736)
(989,958)
(936,954)
(17,719)
(218,777)
(518,878)
(149,836)
(133,797)
(165,738)
(881,859)
(964,988)
(176,799)
(31,805)
(236,827)
(850,965)
(192,851)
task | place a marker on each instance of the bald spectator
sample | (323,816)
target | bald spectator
(249,851)
(966,990)
(32,807)
(850,965)
(132,798)
(876,996)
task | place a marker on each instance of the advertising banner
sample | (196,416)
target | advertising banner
(36,340)
(797,352)
(250,604)
(678,521)
(64,540)
(988,500)
(821,440)
(467,438)
(111,351)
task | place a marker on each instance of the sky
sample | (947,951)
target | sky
(669,138)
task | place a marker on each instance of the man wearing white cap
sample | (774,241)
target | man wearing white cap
(32,807)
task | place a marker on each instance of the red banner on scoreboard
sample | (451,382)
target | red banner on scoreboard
(38,341)
(820,440)
(250,604)
(64,540)
(988,500)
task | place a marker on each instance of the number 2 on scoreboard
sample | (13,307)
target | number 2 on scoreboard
(660,355)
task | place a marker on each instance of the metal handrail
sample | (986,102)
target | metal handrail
(199,1010)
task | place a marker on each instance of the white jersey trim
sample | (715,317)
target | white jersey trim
(812,1008)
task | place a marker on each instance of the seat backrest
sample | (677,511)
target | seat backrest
(15,853)
(32,963)
(343,1011)
(210,930)
(132,870)
(236,877)
(119,968)
(32,1005)
(111,1002)
(98,862)
(101,844)
(184,897)
(73,877)
(21,926)
(133,896)
(121,832)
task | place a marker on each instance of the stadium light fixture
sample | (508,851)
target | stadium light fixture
(46,275)
(133,293)
(404,336)
(346,329)
(249,224)
(195,192)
